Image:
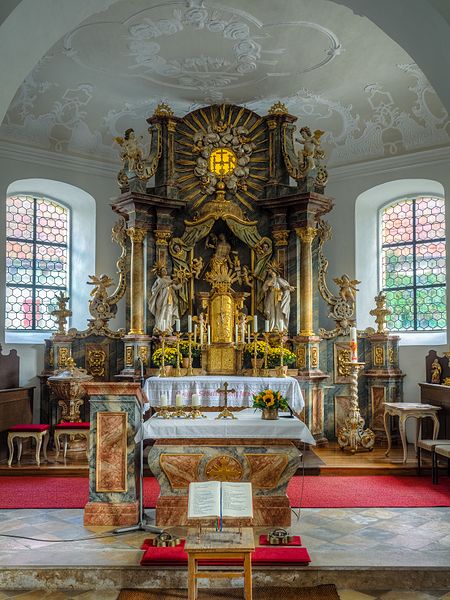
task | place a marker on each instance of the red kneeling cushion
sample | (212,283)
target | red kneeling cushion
(30,427)
(263,555)
(73,426)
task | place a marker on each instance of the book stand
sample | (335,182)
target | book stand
(214,545)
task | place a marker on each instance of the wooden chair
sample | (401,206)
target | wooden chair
(440,450)
(38,432)
(428,446)
(68,429)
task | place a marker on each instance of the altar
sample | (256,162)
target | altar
(244,449)
(206,388)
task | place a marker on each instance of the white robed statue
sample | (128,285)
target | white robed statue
(163,301)
(277,300)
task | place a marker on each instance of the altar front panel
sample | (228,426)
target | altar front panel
(206,388)
(267,464)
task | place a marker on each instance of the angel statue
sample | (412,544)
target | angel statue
(311,150)
(347,289)
(277,299)
(163,301)
(131,150)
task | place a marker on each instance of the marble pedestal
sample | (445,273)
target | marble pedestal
(267,464)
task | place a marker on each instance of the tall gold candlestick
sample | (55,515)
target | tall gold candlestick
(281,372)
(255,340)
(178,369)
(162,368)
(190,370)
(266,351)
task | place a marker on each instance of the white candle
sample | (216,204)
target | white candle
(209,335)
(179,400)
(177,325)
(201,332)
(266,326)
(243,332)
(163,325)
(163,400)
(353,344)
(236,334)
(195,333)
(248,334)
(189,323)
(195,400)
(255,324)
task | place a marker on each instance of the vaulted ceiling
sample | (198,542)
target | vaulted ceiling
(334,70)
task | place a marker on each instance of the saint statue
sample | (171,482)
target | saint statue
(311,150)
(277,300)
(163,301)
(222,249)
(131,150)
(436,371)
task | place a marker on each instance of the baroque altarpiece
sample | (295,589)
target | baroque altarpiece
(222,218)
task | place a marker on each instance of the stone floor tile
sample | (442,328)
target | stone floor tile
(407,595)
(354,595)
(99,595)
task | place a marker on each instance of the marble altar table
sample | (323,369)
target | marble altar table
(246,449)
(206,387)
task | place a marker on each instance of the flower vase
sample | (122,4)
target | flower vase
(168,370)
(257,363)
(186,362)
(269,414)
(282,371)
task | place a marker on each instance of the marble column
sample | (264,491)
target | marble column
(306,235)
(113,456)
(137,236)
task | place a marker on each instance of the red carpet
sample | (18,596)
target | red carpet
(318,492)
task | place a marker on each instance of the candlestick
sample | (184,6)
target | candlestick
(266,372)
(189,323)
(208,331)
(195,333)
(255,323)
(189,369)
(236,334)
(266,326)
(162,368)
(201,333)
(177,325)
(255,347)
(248,334)
(243,332)
(178,370)
(353,344)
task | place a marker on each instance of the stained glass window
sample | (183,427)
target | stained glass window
(37,261)
(413,263)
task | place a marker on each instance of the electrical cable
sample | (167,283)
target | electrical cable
(92,537)
(302,487)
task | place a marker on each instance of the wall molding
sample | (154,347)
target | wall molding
(55,160)
(389,164)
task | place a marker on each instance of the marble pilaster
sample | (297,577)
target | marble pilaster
(113,458)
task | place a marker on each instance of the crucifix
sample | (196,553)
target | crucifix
(225,414)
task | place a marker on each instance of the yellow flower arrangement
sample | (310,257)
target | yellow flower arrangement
(274,357)
(270,399)
(170,356)
(249,349)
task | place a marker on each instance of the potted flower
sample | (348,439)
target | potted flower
(184,350)
(274,357)
(270,402)
(249,353)
(170,357)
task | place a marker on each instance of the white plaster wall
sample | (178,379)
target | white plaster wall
(103,188)
(345,185)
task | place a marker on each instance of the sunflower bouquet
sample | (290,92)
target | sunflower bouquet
(270,399)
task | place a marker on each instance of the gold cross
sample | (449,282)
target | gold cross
(225,412)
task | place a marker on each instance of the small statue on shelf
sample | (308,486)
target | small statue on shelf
(163,301)
(277,300)
(131,151)
(436,371)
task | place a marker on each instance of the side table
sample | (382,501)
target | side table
(225,545)
(404,410)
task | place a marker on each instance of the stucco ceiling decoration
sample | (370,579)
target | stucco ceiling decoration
(110,73)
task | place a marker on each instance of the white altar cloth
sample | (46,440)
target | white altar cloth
(206,387)
(248,425)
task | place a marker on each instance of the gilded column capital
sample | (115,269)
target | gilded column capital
(306,234)
(162,237)
(281,237)
(272,124)
(136,234)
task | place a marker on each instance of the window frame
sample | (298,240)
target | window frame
(414,243)
(34,242)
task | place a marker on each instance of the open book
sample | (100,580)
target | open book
(219,499)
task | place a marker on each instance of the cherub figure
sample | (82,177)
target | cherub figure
(347,289)
(311,150)
(131,151)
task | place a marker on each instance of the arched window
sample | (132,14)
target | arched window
(412,263)
(37,261)
(50,242)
